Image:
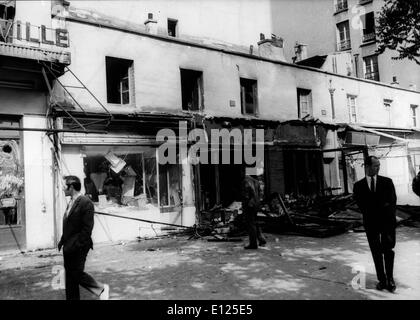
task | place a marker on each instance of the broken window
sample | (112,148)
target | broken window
(249,96)
(11,175)
(192,90)
(172,27)
(128,176)
(170,193)
(304,97)
(304,176)
(119,78)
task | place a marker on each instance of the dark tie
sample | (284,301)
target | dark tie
(372,184)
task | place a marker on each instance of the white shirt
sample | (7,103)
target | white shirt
(368,179)
(71,203)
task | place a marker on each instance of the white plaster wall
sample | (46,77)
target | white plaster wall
(157,80)
(233,21)
(39,210)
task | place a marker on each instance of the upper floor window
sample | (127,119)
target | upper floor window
(341,5)
(414,114)
(304,102)
(192,90)
(343,36)
(249,96)
(368,21)
(387,105)
(365,1)
(7,14)
(371,67)
(172,27)
(352,108)
(119,80)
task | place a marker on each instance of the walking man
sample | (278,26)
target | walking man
(250,207)
(376,198)
(76,242)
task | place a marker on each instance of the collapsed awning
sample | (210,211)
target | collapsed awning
(377,132)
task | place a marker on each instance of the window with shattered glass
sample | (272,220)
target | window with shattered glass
(11,175)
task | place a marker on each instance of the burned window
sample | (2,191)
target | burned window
(11,175)
(192,90)
(304,100)
(172,27)
(170,186)
(119,78)
(130,177)
(249,95)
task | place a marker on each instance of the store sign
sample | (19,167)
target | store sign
(34,34)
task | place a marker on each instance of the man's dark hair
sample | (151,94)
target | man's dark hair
(73,181)
(368,161)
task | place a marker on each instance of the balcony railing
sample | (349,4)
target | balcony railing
(344,45)
(367,37)
(341,6)
(372,75)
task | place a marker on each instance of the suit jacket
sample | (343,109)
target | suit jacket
(378,208)
(77,227)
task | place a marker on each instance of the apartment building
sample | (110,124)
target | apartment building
(345,31)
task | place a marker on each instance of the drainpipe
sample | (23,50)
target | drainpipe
(331,90)
(356,64)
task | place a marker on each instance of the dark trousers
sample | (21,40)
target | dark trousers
(381,245)
(74,265)
(254,231)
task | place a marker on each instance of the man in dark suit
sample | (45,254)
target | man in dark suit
(76,242)
(376,198)
(250,207)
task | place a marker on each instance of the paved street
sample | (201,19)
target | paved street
(289,267)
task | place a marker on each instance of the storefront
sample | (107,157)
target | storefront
(121,172)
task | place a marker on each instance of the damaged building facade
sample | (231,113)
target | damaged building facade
(131,75)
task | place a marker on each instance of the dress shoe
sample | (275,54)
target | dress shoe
(262,242)
(391,285)
(251,247)
(381,285)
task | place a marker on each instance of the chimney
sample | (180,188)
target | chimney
(394,82)
(301,51)
(151,25)
(271,48)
